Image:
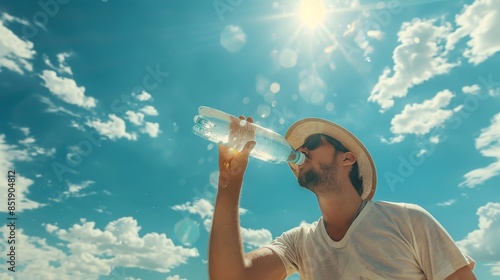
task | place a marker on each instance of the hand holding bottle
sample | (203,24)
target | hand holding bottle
(215,125)
(233,161)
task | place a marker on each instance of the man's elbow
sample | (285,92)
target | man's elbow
(464,273)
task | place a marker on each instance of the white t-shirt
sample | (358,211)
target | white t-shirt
(386,241)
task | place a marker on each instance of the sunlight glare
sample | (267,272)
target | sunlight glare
(312,12)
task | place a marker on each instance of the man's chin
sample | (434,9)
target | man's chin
(306,180)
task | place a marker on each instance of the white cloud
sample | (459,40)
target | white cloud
(153,129)
(8,155)
(396,139)
(256,237)
(113,129)
(201,207)
(52,108)
(7,17)
(473,89)
(434,139)
(62,67)
(149,110)
(37,256)
(32,149)
(418,58)
(27,141)
(420,118)
(75,190)
(25,130)
(483,243)
(479,21)
(135,118)
(252,238)
(232,38)
(67,90)
(495,270)
(144,96)
(15,53)
(204,208)
(447,203)
(363,43)
(488,144)
(50,228)
(90,252)
(375,34)
(175,277)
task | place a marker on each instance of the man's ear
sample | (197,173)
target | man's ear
(348,158)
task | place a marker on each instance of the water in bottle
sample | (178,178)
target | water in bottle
(228,130)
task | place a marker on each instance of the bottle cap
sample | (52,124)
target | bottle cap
(300,158)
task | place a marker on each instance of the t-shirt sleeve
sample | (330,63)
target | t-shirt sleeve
(435,250)
(285,247)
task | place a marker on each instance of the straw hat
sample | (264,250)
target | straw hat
(299,131)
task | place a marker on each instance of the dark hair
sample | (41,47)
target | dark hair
(356,180)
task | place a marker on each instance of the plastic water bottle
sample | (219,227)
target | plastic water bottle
(217,126)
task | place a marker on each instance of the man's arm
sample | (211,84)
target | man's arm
(226,258)
(464,273)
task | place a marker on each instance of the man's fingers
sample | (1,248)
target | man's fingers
(248,148)
(238,163)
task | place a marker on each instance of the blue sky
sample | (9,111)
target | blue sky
(97,100)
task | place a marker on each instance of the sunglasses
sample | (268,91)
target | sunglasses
(312,142)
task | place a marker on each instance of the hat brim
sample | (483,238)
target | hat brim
(299,131)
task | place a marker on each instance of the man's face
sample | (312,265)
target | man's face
(319,170)
(312,178)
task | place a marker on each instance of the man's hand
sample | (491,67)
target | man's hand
(233,163)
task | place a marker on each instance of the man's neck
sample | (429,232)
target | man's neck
(339,211)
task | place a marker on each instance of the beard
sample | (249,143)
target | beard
(318,181)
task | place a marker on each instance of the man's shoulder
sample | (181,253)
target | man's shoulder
(305,228)
(409,208)
(398,206)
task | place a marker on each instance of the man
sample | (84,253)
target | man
(355,238)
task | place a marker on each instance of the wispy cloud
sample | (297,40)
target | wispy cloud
(418,58)
(447,203)
(62,67)
(67,90)
(488,144)
(479,21)
(75,191)
(8,155)
(113,129)
(15,53)
(53,108)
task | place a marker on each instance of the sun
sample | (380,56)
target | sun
(312,12)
